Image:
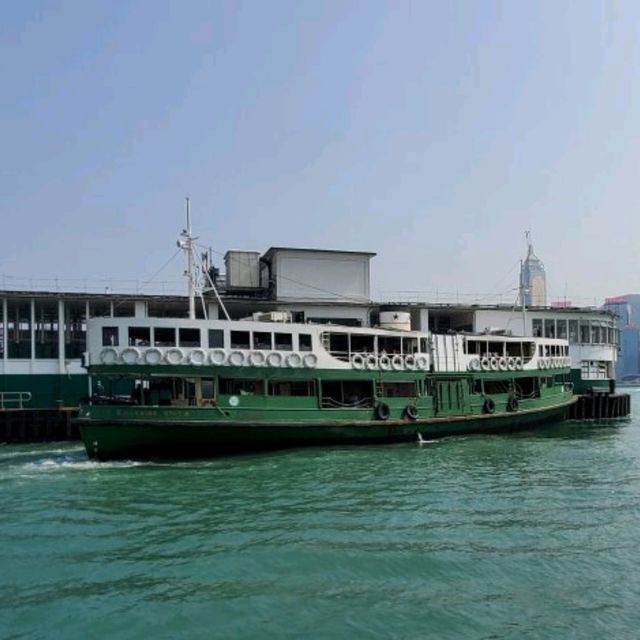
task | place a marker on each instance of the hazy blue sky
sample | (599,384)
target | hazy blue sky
(433,133)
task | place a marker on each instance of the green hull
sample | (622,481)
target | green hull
(123,438)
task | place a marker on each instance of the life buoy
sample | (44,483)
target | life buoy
(236,358)
(153,356)
(217,357)
(502,364)
(174,356)
(494,363)
(294,360)
(410,362)
(397,363)
(485,363)
(489,406)
(541,363)
(198,357)
(411,411)
(384,363)
(310,360)
(130,355)
(256,359)
(357,361)
(518,362)
(474,365)
(511,363)
(371,362)
(422,362)
(109,356)
(512,403)
(382,411)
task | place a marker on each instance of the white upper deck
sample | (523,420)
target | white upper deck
(170,341)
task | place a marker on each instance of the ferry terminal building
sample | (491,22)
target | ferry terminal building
(43,333)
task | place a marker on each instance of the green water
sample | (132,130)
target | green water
(534,535)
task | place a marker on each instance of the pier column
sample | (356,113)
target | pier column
(32,314)
(5,328)
(61,336)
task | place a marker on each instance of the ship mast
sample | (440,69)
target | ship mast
(188,245)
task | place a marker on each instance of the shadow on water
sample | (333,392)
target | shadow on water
(580,429)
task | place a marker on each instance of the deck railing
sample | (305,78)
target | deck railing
(14,399)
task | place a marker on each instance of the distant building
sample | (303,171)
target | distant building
(533,280)
(627,311)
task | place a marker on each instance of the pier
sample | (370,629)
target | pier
(599,405)
(38,425)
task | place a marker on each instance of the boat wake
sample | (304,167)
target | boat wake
(421,440)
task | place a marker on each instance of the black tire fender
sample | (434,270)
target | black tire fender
(382,411)
(411,411)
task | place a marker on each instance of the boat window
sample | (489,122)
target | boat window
(475,347)
(304,342)
(240,340)
(362,344)
(164,336)
(562,329)
(526,388)
(262,341)
(338,343)
(549,328)
(353,394)
(284,341)
(216,339)
(208,389)
(234,387)
(496,348)
(292,388)
(541,350)
(514,349)
(424,348)
(389,344)
(529,350)
(398,389)
(536,328)
(139,336)
(573,331)
(109,336)
(189,337)
(584,331)
(409,345)
(595,332)
(492,387)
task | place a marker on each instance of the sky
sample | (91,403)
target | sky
(432,133)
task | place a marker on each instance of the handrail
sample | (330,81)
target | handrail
(328,402)
(14,397)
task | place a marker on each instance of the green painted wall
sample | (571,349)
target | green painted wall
(48,391)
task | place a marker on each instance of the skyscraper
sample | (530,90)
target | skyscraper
(533,281)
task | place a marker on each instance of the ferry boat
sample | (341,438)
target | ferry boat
(183,388)
(171,387)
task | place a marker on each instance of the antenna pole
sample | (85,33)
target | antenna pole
(189,247)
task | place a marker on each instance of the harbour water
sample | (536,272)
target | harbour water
(533,535)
